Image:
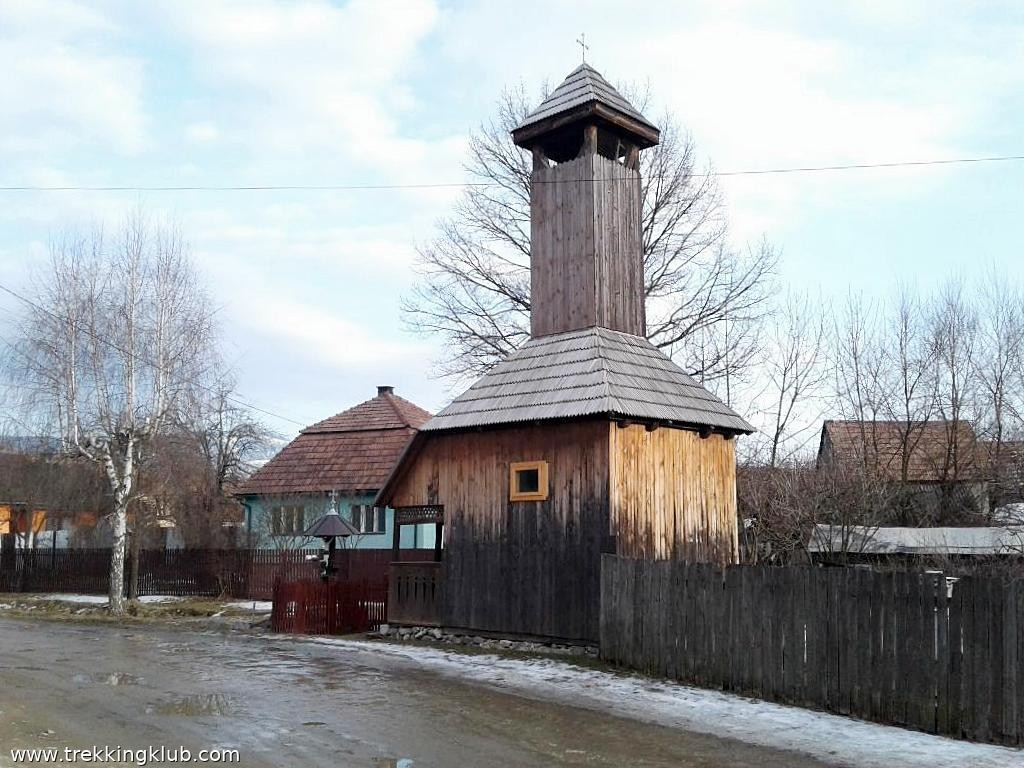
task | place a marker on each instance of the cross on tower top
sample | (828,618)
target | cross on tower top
(582,42)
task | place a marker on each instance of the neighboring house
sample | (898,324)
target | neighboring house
(833,544)
(46,501)
(938,464)
(350,455)
(587,439)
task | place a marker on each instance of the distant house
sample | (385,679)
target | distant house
(47,501)
(939,464)
(834,544)
(350,455)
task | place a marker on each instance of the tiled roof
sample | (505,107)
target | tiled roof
(353,451)
(583,86)
(588,372)
(386,411)
(879,446)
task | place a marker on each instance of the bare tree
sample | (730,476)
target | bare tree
(118,332)
(703,295)
(999,362)
(781,507)
(908,389)
(795,373)
(954,328)
(858,367)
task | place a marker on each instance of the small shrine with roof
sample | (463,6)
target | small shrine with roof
(586,440)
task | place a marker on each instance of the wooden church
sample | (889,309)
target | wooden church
(588,439)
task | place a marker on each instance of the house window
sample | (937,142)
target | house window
(528,481)
(368,519)
(287,521)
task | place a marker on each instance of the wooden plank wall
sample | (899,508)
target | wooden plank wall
(884,646)
(673,495)
(527,568)
(586,264)
(618,247)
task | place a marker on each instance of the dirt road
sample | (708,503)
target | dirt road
(288,703)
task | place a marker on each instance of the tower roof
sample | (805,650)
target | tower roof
(585,93)
(591,372)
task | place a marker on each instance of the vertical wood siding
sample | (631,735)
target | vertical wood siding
(586,266)
(673,495)
(529,568)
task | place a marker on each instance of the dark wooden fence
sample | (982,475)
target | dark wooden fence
(415,594)
(893,647)
(339,607)
(240,573)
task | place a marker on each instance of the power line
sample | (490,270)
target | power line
(135,356)
(454,185)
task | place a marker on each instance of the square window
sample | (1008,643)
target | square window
(528,481)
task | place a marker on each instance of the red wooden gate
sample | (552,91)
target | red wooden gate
(313,607)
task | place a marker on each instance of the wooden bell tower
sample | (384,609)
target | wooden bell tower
(586,262)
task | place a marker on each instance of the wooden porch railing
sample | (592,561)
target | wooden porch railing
(415,594)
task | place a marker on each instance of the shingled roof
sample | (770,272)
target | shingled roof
(880,446)
(589,372)
(351,452)
(583,92)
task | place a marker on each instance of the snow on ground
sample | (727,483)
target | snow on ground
(150,599)
(830,738)
(101,599)
(85,599)
(259,606)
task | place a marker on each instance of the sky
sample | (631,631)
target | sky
(308,284)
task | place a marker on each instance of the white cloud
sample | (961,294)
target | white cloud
(62,87)
(316,79)
(201,133)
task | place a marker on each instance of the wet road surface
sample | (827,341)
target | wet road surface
(289,703)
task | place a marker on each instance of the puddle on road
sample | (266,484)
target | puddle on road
(312,723)
(197,705)
(394,762)
(113,678)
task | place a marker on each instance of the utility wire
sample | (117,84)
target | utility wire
(451,185)
(140,358)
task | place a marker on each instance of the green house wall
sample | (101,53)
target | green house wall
(258,522)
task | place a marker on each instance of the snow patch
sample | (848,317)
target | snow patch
(830,738)
(259,606)
(149,599)
(101,599)
(66,598)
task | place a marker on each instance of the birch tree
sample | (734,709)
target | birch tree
(118,332)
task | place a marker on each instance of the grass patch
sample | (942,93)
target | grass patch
(25,606)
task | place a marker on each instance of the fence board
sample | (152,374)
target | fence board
(893,647)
